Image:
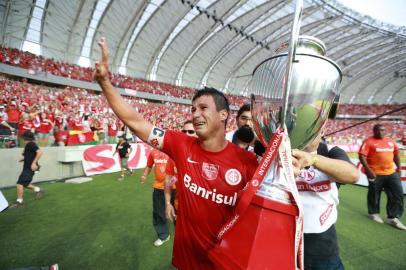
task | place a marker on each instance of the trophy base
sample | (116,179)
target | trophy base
(263,238)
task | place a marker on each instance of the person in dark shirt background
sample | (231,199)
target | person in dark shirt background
(124,150)
(31,154)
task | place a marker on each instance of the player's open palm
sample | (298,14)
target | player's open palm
(101,68)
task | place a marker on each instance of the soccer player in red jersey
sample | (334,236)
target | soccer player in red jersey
(211,170)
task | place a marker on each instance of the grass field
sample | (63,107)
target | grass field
(106,224)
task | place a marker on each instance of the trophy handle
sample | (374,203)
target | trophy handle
(294,37)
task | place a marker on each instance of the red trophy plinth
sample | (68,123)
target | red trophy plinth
(263,238)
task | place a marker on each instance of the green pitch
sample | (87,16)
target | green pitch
(106,224)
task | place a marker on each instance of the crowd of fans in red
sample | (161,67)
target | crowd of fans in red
(52,112)
(38,64)
(46,111)
(364,109)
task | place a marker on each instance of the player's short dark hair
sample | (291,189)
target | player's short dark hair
(28,136)
(377,126)
(244,108)
(219,98)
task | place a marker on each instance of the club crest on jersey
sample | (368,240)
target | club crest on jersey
(308,174)
(233,177)
(210,171)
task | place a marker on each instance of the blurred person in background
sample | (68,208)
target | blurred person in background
(378,154)
(13,114)
(31,154)
(44,131)
(5,127)
(158,160)
(123,148)
(244,119)
(112,129)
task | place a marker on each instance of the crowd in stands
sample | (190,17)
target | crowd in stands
(356,134)
(46,110)
(366,109)
(38,64)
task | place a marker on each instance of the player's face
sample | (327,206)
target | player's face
(206,119)
(379,132)
(245,120)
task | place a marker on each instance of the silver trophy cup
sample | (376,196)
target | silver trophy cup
(314,83)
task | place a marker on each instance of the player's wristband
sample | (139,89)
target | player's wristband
(168,203)
(315,160)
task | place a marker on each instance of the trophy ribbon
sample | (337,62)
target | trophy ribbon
(287,170)
(253,185)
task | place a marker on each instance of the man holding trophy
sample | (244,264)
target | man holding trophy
(294,94)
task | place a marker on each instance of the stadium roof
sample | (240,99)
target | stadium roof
(209,42)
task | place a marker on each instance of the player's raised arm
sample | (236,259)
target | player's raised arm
(121,108)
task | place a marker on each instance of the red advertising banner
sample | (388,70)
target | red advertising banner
(99,159)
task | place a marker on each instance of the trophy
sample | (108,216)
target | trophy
(293,93)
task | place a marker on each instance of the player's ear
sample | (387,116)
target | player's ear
(223,115)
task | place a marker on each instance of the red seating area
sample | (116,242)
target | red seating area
(394,130)
(35,64)
(362,109)
(69,104)
(66,107)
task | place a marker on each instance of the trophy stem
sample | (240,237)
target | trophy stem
(294,37)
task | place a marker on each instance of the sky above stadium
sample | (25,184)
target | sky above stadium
(389,11)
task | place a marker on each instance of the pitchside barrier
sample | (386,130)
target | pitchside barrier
(73,161)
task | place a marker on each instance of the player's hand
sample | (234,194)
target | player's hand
(296,166)
(143,179)
(170,212)
(304,159)
(102,66)
(370,174)
(34,167)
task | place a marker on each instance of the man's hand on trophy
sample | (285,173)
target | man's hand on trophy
(301,159)
(101,68)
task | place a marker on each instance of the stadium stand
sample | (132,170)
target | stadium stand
(38,64)
(67,106)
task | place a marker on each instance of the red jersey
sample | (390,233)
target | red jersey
(112,130)
(13,115)
(208,183)
(379,154)
(45,127)
(61,136)
(24,126)
(77,125)
(36,121)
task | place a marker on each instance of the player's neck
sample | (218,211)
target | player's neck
(214,144)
